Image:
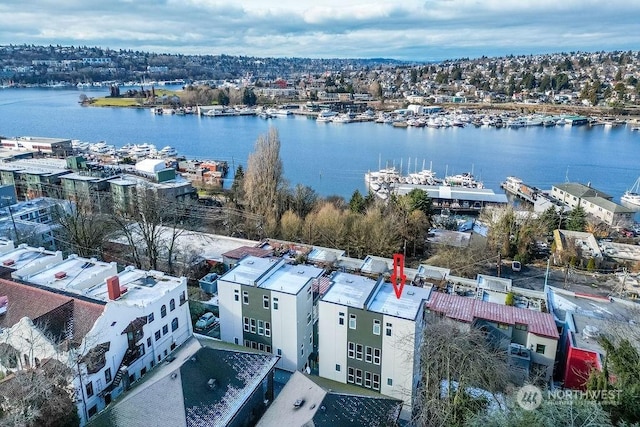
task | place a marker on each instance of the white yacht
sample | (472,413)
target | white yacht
(632,196)
(326,116)
(168,151)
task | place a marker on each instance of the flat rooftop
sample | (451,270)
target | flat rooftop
(291,278)
(23,255)
(249,270)
(406,307)
(143,287)
(75,274)
(349,289)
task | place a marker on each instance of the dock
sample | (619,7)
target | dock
(518,188)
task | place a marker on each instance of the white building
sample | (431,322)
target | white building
(267,304)
(129,322)
(370,338)
(594,202)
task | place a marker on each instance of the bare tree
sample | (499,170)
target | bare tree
(453,359)
(264,177)
(82,231)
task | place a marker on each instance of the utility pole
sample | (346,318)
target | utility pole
(13,221)
(499,264)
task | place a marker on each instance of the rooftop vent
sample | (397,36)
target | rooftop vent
(298,403)
(410,293)
(60,275)
(590,331)
(8,262)
(174,376)
(212,383)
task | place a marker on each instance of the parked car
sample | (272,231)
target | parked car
(516,266)
(206,321)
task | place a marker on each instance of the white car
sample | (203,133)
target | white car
(516,266)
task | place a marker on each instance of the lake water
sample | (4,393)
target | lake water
(332,158)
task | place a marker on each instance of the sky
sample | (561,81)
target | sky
(427,30)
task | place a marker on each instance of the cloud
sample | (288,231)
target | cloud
(414,30)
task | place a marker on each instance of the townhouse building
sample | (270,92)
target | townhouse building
(267,304)
(369,337)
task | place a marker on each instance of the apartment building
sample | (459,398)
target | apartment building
(267,304)
(111,328)
(370,338)
(593,201)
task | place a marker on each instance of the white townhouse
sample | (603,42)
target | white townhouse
(267,304)
(369,337)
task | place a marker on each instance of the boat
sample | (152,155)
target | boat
(168,151)
(342,118)
(632,196)
(142,150)
(465,179)
(326,116)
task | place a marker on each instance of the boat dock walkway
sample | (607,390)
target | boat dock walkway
(516,187)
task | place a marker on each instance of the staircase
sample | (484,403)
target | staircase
(118,378)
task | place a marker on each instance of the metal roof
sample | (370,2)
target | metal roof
(468,309)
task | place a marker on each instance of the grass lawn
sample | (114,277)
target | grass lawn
(128,102)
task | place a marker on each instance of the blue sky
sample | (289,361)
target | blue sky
(408,30)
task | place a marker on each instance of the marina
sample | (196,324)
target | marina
(331,158)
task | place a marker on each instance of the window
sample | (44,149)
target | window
(337,367)
(352,321)
(367,379)
(89,388)
(388,331)
(247,343)
(245,297)
(174,324)
(376,356)
(389,382)
(340,318)
(351,350)
(302,349)
(165,329)
(236,295)
(267,348)
(520,327)
(150,317)
(107,375)
(163,311)
(359,376)
(267,329)
(254,345)
(253,325)
(157,335)
(235,340)
(376,382)
(261,346)
(279,352)
(265,301)
(246,324)
(183,299)
(503,326)
(260,327)
(275,303)
(359,351)
(93,410)
(350,375)
(149,342)
(540,348)
(376,327)
(309,319)
(368,354)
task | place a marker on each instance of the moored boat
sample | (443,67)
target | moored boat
(632,196)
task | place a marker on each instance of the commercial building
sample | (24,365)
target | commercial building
(370,338)
(267,304)
(594,202)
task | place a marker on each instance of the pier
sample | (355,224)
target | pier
(516,187)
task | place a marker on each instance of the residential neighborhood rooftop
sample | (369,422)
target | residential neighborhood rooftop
(290,278)
(408,306)
(350,289)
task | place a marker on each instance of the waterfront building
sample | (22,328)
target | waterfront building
(110,328)
(55,147)
(594,202)
(370,338)
(267,304)
(32,221)
(34,177)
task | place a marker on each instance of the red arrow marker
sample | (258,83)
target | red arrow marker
(398,274)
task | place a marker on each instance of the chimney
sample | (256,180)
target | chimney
(113,287)
(4,304)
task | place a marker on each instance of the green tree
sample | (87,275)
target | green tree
(236,192)
(357,203)
(249,97)
(577,220)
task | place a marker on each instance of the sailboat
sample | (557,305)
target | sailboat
(632,196)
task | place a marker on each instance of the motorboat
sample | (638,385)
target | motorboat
(632,196)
